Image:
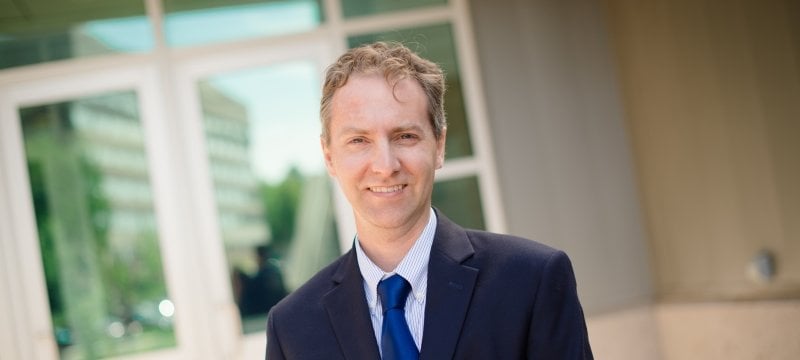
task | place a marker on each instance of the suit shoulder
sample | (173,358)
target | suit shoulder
(508,244)
(512,250)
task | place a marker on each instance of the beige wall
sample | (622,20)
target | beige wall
(655,135)
(719,330)
(730,330)
(630,334)
(562,151)
(712,93)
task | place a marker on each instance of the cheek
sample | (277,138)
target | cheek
(426,159)
(347,166)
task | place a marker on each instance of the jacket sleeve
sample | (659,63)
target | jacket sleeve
(558,327)
(273,345)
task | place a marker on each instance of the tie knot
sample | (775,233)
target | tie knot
(393,292)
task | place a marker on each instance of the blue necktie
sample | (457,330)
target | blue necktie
(396,341)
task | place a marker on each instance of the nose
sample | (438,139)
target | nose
(384,159)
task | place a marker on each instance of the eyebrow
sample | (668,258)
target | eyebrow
(406,128)
(353,130)
(349,130)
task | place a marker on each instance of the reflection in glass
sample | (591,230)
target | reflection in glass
(352,8)
(97,228)
(460,200)
(436,43)
(189,23)
(274,200)
(38,31)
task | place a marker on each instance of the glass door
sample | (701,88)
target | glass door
(85,241)
(266,203)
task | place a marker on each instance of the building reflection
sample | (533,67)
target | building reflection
(96,224)
(277,231)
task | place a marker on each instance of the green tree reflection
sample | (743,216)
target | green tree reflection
(281,201)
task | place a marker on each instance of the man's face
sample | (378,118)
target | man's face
(382,150)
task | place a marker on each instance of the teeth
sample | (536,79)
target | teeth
(386,189)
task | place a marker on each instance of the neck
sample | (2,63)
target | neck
(387,247)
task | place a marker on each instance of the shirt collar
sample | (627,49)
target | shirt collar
(413,267)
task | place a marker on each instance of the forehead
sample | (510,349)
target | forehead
(373,85)
(369,100)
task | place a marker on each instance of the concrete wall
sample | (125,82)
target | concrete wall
(554,81)
(562,154)
(714,330)
(630,334)
(730,330)
(711,89)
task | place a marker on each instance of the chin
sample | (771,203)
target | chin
(390,219)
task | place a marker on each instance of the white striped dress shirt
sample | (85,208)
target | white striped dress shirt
(413,268)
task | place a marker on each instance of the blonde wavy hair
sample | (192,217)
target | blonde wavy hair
(396,62)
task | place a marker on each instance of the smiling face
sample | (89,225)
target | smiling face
(383,152)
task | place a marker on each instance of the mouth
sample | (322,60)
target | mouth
(387,189)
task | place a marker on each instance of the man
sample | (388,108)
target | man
(416,285)
(265,288)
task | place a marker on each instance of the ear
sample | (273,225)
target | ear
(326,154)
(440,149)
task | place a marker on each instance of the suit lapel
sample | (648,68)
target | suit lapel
(450,287)
(347,310)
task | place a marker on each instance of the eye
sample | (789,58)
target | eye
(356,140)
(408,136)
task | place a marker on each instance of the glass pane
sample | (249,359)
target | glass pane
(189,22)
(38,31)
(352,8)
(436,44)
(97,228)
(273,196)
(460,200)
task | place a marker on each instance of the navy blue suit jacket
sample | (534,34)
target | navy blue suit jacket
(490,296)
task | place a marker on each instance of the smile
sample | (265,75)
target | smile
(386,189)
